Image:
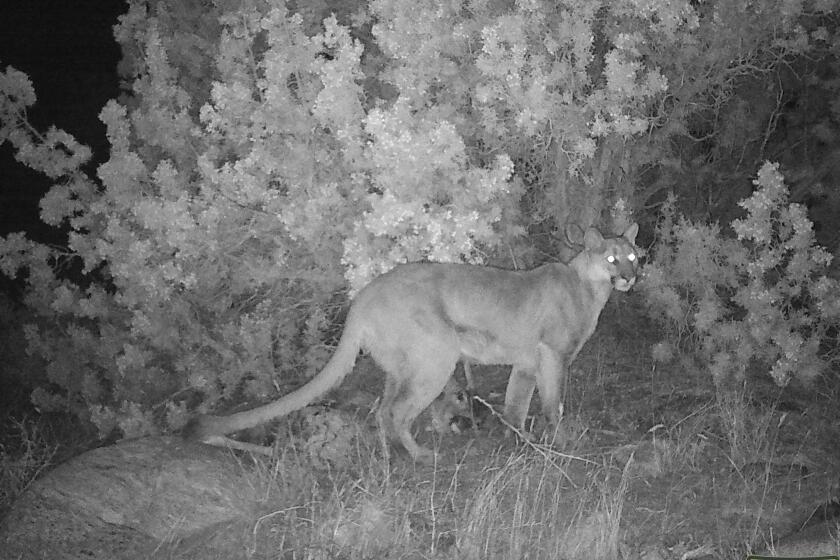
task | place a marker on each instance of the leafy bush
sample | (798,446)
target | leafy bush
(761,297)
(261,160)
(264,164)
(212,240)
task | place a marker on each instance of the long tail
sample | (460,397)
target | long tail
(204,428)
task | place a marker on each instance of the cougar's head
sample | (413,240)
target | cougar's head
(616,256)
(452,410)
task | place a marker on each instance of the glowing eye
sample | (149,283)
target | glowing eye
(631,257)
(611,259)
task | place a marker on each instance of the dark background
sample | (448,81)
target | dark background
(68,50)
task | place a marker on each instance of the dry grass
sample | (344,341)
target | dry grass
(656,466)
(519,504)
(24,455)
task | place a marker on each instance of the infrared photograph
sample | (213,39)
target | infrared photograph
(420,279)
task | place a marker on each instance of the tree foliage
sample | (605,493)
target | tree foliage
(268,157)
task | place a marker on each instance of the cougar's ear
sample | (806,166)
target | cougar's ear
(593,240)
(630,232)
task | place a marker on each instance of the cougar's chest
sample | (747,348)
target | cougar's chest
(571,312)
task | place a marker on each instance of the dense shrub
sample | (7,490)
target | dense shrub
(264,163)
(758,297)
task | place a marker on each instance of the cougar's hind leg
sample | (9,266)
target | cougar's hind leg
(424,377)
(392,361)
(386,421)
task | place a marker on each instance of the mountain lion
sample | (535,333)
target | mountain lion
(418,320)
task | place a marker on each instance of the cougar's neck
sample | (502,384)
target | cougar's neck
(594,278)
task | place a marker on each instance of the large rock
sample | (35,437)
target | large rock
(137,499)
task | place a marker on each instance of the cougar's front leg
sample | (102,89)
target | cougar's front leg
(520,389)
(551,382)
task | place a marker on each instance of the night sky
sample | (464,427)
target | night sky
(68,51)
